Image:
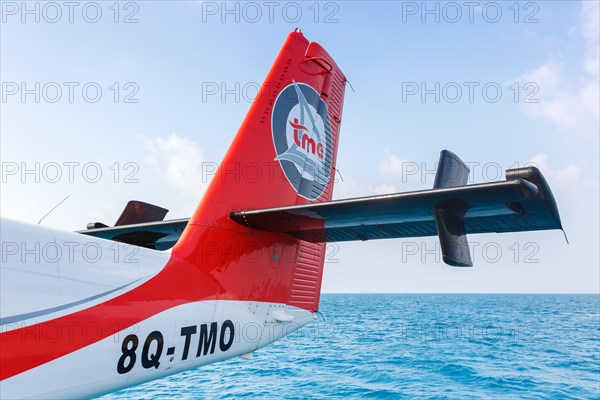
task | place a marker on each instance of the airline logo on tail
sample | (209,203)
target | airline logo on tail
(302,139)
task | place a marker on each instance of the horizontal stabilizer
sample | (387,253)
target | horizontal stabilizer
(153,235)
(140,224)
(135,212)
(523,202)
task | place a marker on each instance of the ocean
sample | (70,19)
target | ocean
(445,346)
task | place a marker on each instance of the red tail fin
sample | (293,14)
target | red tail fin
(283,154)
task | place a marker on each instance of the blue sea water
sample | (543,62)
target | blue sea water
(416,346)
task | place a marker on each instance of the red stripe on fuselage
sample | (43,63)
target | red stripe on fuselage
(31,346)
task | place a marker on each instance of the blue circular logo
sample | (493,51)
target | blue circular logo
(302,138)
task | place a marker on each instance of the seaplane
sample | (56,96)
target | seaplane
(90,312)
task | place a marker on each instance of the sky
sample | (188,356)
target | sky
(106,102)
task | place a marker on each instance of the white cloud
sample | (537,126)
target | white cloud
(383,188)
(568,175)
(391,168)
(178,160)
(348,188)
(409,175)
(391,165)
(590,30)
(571,105)
(570,97)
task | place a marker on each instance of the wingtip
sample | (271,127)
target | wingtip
(565,233)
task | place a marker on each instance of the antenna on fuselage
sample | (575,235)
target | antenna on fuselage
(53,208)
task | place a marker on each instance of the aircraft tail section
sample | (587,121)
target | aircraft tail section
(283,154)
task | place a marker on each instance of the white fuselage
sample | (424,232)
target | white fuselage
(48,274)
